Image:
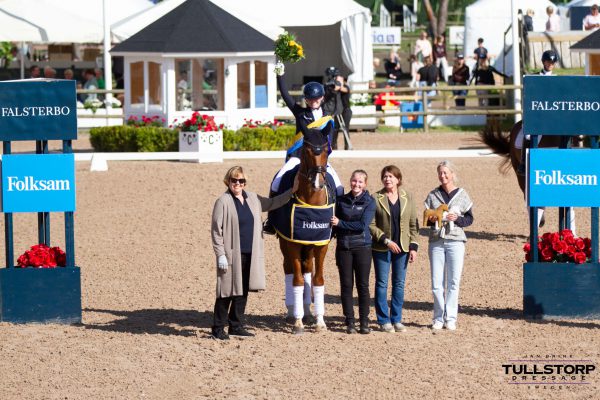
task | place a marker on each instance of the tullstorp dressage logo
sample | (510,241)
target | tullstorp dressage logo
(563,178)
(549,372)
(38,183)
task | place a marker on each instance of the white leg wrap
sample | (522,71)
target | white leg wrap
(289,289)
(307,288)
(540,213)
(571,221)
(319,294)
(298,304)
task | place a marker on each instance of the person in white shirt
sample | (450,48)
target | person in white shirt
(553,23)
(591,22)
(423,47)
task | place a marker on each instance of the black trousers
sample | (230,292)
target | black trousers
(230,310)
(355,263)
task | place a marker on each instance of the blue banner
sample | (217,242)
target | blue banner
(38,109)
(561,105)
(38,182)
(563,178)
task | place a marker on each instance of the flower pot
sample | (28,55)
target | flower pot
(561,290)
(46,295)
(207,145)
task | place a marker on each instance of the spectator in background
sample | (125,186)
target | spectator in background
(439,56)
(528,20)
(480,52)
(415,65)
(460,76)
(89,84)
(393,70)
(34,72)
(428,75)
(49,72)
(484,75)
(422,47)
(591,22)
(99,78)
(553,23)
(68,74)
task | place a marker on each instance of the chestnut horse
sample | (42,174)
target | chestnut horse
(299,258)
(503,145)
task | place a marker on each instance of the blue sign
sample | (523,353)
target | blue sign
(411,121)
(561,105)
(563,178)
(38,109)
(38,182)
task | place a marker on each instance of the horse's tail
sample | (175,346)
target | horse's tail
(499,143)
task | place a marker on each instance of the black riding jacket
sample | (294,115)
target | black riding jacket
(303,115)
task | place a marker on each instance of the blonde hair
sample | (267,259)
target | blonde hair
(360,172)
(451,167)
(233,172)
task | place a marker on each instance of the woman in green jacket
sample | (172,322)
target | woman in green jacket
(394,230)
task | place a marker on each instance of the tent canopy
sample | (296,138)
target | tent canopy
(196,26)
(489,19)
(65,21)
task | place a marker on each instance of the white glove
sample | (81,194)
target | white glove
(222,263)
(279,69)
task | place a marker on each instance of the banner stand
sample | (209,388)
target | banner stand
(42,295)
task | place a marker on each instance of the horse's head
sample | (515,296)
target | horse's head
(313,165)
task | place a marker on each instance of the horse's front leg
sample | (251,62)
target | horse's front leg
(319,287)
(294,254)
(288,269)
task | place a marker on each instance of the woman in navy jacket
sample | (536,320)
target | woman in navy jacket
(353,214)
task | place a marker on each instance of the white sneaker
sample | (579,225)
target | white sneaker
(386,327)
(437,325)
(451,326)
(399,327)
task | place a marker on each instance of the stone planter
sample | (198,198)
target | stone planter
(46,295)
(207,145)
(561,290)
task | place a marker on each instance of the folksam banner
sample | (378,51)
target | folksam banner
(38,182)
(561,105)
(38,109)
(563,178)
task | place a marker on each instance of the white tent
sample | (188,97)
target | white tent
(341,38)
(489,19)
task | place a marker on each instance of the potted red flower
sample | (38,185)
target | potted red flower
(201,134)
(564,282)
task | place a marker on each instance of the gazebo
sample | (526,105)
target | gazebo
(590,46)
(198,57)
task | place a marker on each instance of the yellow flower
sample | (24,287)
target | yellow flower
(300,51)
(292,43)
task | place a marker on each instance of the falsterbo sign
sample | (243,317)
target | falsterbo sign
(561,105)
(38,109)
(38,182)
(563,178)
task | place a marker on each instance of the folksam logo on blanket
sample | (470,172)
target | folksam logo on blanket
(32,183)
(563,178)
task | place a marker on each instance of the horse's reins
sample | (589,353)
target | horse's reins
(319,169)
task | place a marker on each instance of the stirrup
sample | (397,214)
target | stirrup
(268,228)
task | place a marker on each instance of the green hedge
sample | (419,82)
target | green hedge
(132,139)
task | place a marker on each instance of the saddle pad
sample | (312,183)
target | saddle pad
(304,223)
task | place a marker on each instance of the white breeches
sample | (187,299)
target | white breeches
(292,162)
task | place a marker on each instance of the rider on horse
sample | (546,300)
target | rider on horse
(549,58)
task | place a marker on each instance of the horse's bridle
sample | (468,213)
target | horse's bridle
(311,173)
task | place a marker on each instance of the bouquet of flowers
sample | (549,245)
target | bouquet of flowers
(199,122)
(42,256)
(561,247)
(288,49)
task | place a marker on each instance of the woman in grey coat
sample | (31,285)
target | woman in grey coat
(237,239)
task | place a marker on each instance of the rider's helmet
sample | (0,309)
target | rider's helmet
(550,55)
(313,90)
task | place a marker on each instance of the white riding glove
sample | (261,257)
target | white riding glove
(222,263)
(279,69)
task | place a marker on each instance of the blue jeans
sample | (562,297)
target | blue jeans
(459,102)
(399,264)
(446,258)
